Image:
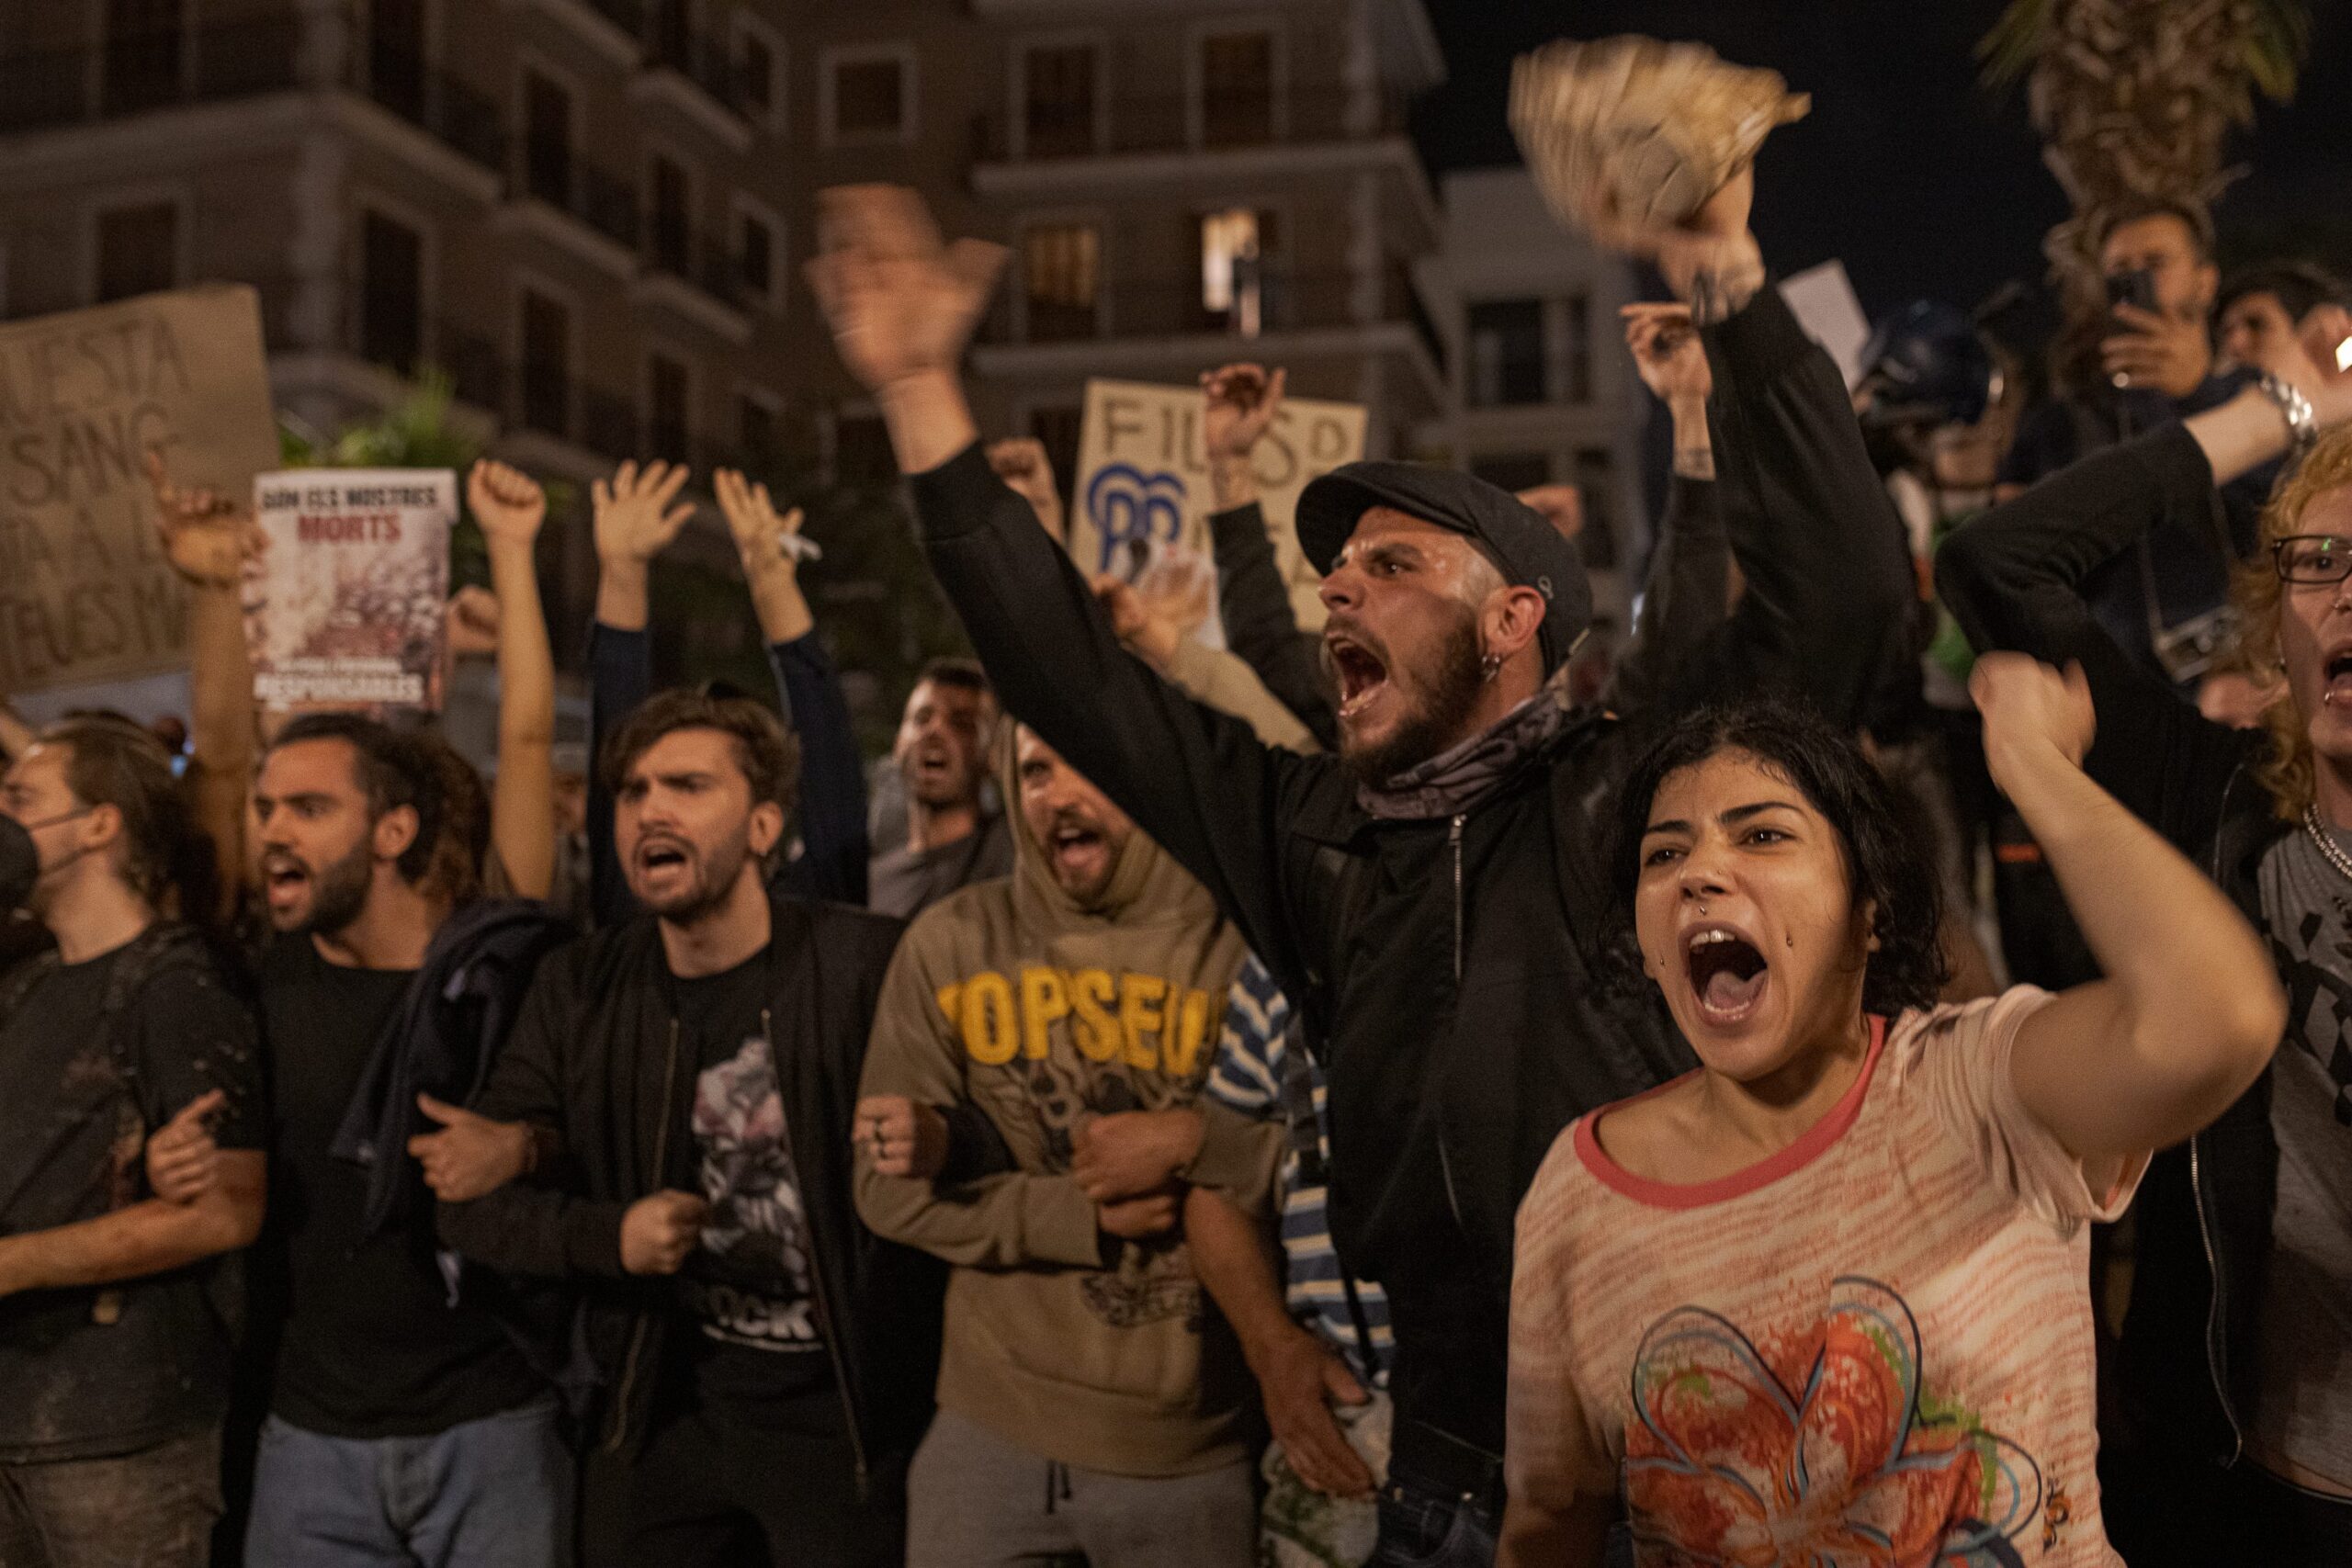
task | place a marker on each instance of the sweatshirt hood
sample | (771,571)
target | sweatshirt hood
(1147,885)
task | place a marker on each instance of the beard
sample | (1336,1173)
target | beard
(339,893)
(713,872)
(1448,694)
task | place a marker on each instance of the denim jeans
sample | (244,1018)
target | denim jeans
(153,1508)
(489,1494)
(1421,1527)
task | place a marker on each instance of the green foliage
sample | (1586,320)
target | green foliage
(416,433)
(2272,43)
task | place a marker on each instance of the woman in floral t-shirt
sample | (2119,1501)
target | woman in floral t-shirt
(1825,1301)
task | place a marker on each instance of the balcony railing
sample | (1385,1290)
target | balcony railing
(141,73)
(703,259)
(1047,132)
(45,89)
(704,61)
(470,123)
(1174,307)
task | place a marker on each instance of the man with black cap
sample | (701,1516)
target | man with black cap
(1424,897)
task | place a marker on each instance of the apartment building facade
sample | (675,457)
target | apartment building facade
(591,215)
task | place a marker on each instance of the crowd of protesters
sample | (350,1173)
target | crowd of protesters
(1347,1096)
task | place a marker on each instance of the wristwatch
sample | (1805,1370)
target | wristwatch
(2303,424)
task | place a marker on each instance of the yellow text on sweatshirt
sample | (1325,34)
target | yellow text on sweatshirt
(1151,1024)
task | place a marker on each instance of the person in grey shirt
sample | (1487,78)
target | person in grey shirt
(941,754)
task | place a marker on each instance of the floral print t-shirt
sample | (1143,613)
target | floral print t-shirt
(1872,1348)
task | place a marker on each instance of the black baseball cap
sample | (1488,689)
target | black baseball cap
(1529,550)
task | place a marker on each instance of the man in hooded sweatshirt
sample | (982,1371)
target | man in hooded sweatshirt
(1089,1401)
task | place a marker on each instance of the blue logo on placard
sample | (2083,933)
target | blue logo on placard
(1130,507)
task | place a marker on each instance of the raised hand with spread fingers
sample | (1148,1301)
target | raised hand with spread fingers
(637,513)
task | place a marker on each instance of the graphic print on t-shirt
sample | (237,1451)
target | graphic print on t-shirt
(1818,1444)
(749,1284)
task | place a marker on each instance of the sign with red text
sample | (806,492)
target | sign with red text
(348,613)
(1142,501)
(85,592)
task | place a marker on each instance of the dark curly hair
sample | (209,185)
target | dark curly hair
(1889,866)
(767,752)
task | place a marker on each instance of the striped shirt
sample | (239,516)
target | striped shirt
(1262,1070)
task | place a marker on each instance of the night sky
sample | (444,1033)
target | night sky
(1924,182)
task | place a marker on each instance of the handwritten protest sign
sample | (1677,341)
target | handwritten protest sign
(353,581)
(85,594)
(1143,496)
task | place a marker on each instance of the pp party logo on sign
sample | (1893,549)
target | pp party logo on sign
(1131,512)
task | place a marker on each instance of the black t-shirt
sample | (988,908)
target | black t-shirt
(89,1372)
(371,1347)
(747,1288)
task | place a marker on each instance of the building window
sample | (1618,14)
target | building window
(757,429)
(1057,98)
(146,53)
(666,409)
(672,224)
(547,139)
(669,32)
(139,250)
(396,56)
(391,293)
(756,263)
(1596,483)
(869,98)
(546,365)
(755,75)
(1579,364)
(1513,472)
(1506,353)
(1234,245)
(1238,89)
(863,457)
(1061,275)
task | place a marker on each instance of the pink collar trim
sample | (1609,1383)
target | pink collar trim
(1810,1145)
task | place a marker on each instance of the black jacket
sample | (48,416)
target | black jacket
(2013,578)
(1443,967)
(448,1030)
(595,1056)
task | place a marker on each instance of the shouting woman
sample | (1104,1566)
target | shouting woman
(1825,1299)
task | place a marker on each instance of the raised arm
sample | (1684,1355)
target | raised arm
(1828,581)
(510,507)
(901,307)
(833,844)
(636,515)
(214,543)
(1685,599)
(1239,403)
(2013,580)
(2189,1009)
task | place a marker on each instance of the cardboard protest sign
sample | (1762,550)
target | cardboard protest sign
(349,614)
(1142,501)
(85,594)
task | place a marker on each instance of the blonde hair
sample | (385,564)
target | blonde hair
(2287,770)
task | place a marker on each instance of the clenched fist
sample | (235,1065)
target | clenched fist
(659,1232)
(901,1136)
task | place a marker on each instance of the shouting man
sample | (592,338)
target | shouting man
(1424,896)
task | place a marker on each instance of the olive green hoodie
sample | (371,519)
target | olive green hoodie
(1011,996)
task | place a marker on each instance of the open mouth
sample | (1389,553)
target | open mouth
(1727,974)
(1075,845)
(660,856)
(2338,670)
(284,881)
(1361,673)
